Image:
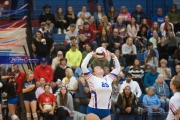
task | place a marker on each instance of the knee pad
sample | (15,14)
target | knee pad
(34,115)
(14,117)
(28,114)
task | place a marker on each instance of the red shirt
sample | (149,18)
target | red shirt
(89,35)
(47,99)
(45,72)
(92,27)
(19,78)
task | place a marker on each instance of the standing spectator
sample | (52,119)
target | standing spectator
(92,5)
(47,103)
(44,30)
(80,22)
(20,78)
(74,57)
(64,104)
(92,25)
(122,30)
(86,14)
(59,73)
(70,33)
(126,104)
(155,39)
(141,40)
(98,15)
(162,48)
(60,21)
(171,41)
(150,77)
(112,15)
(177,55)
(161,89)
(44,70)
(156,28)
(117,41)
(132,28)
(47,17)
(129,51)
(174,17)
(138,14)
(152,103)
(29,88)
(89,35)
(104,24)
(70,16)
(133,84)
(82,42)
(42,47)
(55,61)
(125,15)
(151,60)
(144,22)
(163,27)
(159,17)
(82,93)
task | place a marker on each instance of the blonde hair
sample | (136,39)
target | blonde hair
(84,37)
(163,61)
(70,72)
(157,29)
(28,73)
(105,21)
(160,75)
(123,7)
(132,45)
(150,88)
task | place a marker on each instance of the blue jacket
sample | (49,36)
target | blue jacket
(150,79)
(150,34)
(151,101)
(159,19)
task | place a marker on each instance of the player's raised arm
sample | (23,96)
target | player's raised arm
(85,63)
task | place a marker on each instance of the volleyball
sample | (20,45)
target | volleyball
(47,108)
(101,52)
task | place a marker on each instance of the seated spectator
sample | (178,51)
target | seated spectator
(89,35)
(86,14)
(55,61)
(59,73)
(171,41)
(161,89)
(151,60)
(154,27)
(162,48)
(86,51)
(60,21)
(141,40)
(121,59)
(121,78)
(104,38)
(82,93)
(126,104)
(112,15)
(122,30)
(82,41)
(40,89)
(69,81)
(47,103)
(98,15)
(163,27)
(150,46)
(44,30)
(104,24)
(70,33)
(174,17)
(159,17)
(165,71)
(133,84)
(138,14)
(80,22)
(106,71)
(150,77)
(47,17)
(42,46)
(101,62)
(129,51)
(145,23)
(125,15)
(168,30)
(177,55)
(74,57)
(64,104)
(177,70)
(137,72)
(45,71)
(92,25)
(155,39)
(116,40)
(70,16)
(114,96)
(132,28)
(72,42)
(152,103)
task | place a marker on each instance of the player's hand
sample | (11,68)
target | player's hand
(94,54)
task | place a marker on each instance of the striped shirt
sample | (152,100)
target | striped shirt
(136,72)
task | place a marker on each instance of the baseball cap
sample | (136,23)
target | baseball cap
(43,60)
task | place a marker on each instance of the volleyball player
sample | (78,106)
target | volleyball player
(100,87)
(29,89)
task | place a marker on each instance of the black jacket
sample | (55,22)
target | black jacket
(142,15)
(46,16)
(122,61)
(59,73)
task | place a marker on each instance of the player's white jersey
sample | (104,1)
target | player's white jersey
(101,90)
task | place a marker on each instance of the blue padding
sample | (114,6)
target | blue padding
(140,56)
(83,109)
(141,98)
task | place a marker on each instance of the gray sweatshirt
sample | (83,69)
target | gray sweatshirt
(69,104)
(161,90)
(69,34)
